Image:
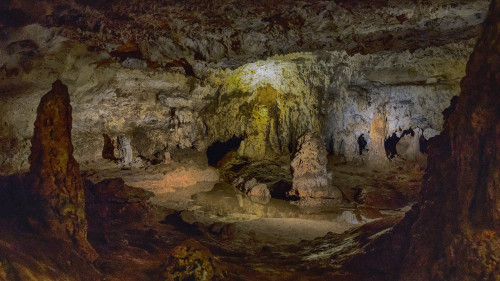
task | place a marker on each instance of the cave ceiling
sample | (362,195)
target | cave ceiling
(234,32)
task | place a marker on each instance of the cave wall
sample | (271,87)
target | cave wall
(269,103)
(456,233)
(165,96)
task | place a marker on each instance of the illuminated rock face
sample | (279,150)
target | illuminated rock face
(267,104)
(55,187)
(186,94)
(378,133)
(456,235)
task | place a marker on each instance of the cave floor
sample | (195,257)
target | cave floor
(273,238)
(281,240)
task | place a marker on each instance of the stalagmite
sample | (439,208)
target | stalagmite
(55,187)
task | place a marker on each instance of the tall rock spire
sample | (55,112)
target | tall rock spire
(55,186)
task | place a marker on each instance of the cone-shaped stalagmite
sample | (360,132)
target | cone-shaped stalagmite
(56,187)
(456,235)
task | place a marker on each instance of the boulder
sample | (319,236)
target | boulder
(190,261)
(256,191)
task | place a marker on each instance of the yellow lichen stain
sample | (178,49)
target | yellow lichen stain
(266,95)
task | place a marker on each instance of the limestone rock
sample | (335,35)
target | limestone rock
(257,192)
(358,27)
(308,167)
(190,261)
(267,103)
(378,132)
(125,150)
(409,145)
(55,185)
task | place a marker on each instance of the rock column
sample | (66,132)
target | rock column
(55,186)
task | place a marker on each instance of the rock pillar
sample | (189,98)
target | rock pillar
(55,187)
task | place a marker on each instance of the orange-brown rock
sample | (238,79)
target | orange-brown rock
(55,187)
(456,235)
(378,131)
(191,261)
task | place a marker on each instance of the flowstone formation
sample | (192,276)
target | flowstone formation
(456,235)
(268,105)
(54,185)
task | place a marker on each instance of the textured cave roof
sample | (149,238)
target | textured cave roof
(234,32)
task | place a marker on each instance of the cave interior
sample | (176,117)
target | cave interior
(249,140)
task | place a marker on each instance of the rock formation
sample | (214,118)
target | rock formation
(378,132)
(268,104)
(456,235)
(309,176)
(409,146)
(125,150)
(190,261)
(55,188)
(256,191)
(108,150)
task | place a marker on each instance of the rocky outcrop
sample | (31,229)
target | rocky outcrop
(309,176)
(54,186)
(256,191)
(456,235)
(190,261)
(112,201)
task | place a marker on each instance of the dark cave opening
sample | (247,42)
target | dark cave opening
(391,142)
(218,149)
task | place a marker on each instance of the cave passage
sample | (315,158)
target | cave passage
(218,150)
